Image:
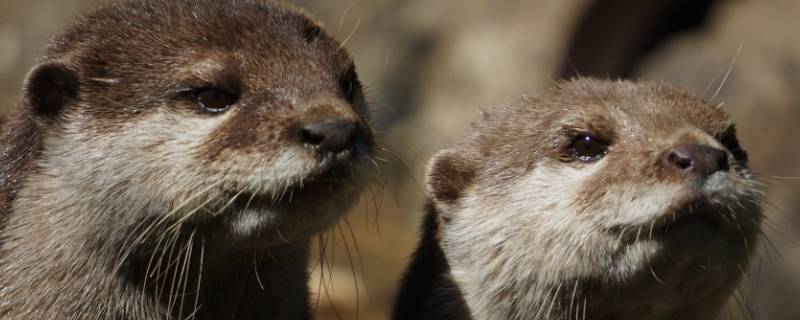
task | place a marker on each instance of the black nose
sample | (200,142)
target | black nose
(330,135)
(698,159)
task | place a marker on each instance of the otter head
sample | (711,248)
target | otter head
(609,200)
(242,119)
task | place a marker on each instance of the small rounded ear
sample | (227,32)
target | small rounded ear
(49,87)
(447,175)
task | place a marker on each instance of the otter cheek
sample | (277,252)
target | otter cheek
(638,205)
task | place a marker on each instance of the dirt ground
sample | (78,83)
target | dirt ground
(429,66)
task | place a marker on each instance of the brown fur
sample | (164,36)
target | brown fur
(528,231)
(121,198)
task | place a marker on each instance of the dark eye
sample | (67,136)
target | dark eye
(215,100)
(729,141)
(311,32)
(587,148)
(349,84)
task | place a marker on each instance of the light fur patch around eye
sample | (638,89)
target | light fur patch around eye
(205,69)
(692,135)
(210,70)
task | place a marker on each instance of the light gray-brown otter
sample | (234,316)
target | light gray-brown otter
(594,200)
(170,160)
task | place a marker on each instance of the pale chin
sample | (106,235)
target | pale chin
(288,223)
(290,203)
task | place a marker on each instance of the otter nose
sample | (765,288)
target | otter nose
(698,159)
(332,136)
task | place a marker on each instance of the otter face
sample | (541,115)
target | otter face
(611,199)
(242,118)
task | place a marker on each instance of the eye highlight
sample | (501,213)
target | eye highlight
(215,100)
(587,148)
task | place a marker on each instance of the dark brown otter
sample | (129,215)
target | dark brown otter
(170,159)
(595,200)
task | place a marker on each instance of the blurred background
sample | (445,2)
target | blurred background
(429,66)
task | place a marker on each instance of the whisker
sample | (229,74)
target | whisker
(185,272)
(148,273)
(321,249)
(199,280)
(384,76)
(163,219)
(255,270)
(352,267)
(358,253)
(347,39)
(727,74)
(344,14)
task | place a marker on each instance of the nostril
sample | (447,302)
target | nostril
(310,136)
(330,135)
(722,161)
(699,159)
(679,161)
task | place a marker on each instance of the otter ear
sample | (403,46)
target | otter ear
(48,88)
(447,175)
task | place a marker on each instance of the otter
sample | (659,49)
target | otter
(597,199)
(170,159)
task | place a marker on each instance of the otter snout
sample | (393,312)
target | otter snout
(332,136)
(332,129)
(701,160)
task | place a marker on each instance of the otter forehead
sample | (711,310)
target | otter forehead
(157,43)
(631,116)
(637,109)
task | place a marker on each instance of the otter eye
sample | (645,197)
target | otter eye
(587,148)
(215,100)
(349,84)
(729,141)
(311,33)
